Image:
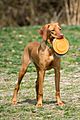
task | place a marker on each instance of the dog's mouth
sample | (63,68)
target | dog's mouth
(53,35)
(56,35)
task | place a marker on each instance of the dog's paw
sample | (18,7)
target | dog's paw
(60,103)
(14,102)
(39,105)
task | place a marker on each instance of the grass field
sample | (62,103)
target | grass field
(12,43)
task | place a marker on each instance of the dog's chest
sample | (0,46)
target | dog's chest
(50,55)
(49,62)
(51,58)
(46,59)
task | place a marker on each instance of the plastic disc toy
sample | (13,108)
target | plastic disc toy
(61,46)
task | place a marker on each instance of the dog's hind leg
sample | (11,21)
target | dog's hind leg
(25,63)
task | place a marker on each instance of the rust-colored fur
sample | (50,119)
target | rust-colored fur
(44,58)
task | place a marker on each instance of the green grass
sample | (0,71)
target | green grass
(12,43)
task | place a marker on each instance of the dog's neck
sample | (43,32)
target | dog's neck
(48,44)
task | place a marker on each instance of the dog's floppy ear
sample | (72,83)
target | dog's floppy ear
(44,31)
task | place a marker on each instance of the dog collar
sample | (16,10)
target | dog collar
(47,43)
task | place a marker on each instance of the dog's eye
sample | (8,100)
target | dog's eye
(52,30)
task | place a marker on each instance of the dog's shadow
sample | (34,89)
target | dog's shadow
(34,101)
(29,101)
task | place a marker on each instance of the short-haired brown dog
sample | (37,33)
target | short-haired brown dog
(44,58)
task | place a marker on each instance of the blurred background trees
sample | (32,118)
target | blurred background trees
(33,12)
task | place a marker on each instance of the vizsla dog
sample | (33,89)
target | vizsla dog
(44,58)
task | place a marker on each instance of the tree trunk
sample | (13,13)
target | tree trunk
(72,11)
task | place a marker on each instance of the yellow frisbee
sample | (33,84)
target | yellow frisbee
(61,46)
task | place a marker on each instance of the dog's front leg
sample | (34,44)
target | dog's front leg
(39,87)
(57,86)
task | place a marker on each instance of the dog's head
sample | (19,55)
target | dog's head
(51,31)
